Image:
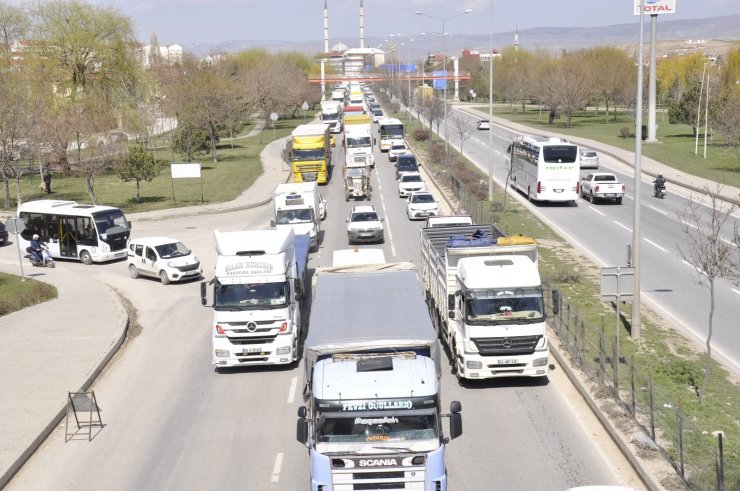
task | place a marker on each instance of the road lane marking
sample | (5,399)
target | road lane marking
(659,211)
(593,208)
(623,226)
(735,290)
(291,390)
(276,468)
(689,224)
(655,245)
(385,214)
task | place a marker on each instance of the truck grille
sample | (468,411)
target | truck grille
(252,340)
(516,345)
(393,478)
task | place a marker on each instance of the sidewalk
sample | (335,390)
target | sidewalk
(648,166)
(62,345)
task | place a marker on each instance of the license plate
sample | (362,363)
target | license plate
(251,350)
(609,195)
(558,190)
(507,362)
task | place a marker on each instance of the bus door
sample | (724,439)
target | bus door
(67,237)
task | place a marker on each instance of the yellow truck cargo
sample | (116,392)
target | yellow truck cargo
(310,153)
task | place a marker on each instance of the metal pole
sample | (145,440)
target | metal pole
(706,118)
(490,117)
(698,111)
(444,99)
(638,173)
(651,80)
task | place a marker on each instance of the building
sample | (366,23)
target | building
(168,55)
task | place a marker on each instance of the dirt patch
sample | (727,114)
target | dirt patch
(134,327)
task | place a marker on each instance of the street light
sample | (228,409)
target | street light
(444,69)
(490,118)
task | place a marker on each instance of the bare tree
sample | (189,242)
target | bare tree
(727,122)
(706,249)
(463,128)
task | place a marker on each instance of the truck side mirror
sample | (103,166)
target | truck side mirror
(451,306)
(555,302)
(302,412)
(301,431)
(203,292)
(455,407)
(455,425)
(272,223)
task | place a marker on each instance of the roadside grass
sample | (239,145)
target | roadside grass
(675,363)
(238,167)
(16,294)
(676,147)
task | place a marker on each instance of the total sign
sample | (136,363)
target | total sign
(653,7)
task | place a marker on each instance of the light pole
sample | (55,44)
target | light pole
(444,70)
(490,118)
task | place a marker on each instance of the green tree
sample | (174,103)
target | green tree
(190,141)
(138,165)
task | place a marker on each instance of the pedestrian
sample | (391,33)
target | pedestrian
(47,180)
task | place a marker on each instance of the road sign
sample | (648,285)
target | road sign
(273,117)
(439,83)
(304,106)
(617,283)
(15,225)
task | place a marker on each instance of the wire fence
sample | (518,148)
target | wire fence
(702,461)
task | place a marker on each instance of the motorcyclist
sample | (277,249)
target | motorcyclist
(659,183)
(36,249)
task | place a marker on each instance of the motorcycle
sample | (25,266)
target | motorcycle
(43,260)
(659,191)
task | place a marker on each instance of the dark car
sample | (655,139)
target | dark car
(3,234)
(406,163)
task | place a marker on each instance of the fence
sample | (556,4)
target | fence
(702,461)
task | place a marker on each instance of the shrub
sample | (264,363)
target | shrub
(625,132)
(421,134)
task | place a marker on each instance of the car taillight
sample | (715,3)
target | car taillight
(578,187)
(539,187)
(283,327)
(220,330)
(622,187)
(596,189)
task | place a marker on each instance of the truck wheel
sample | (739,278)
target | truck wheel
(346,196)
(619,200)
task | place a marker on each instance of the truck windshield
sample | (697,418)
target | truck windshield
(248,296)
(303,215)
(308,155)
(505,306)
(357,142)
(378,428)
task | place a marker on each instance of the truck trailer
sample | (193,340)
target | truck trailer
(485,299)
(257,296)
(373,417)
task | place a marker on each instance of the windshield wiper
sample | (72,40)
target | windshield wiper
(401,449)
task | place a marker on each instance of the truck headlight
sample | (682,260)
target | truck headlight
(472,347)
(473,365)
(285,350)
(222,353)
(540,362)
(542,345)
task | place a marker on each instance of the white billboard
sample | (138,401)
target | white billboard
(185,170)
(653,7)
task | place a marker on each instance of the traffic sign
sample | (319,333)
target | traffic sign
(15,225)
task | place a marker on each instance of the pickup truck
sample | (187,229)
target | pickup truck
(602,186)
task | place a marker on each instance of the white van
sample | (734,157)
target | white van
(164,258)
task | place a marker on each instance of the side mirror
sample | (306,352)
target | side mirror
(455,407)
(301,431)
(272,223)
(346,220)
(555,302)
(302,412)
(203,293)
(455,425)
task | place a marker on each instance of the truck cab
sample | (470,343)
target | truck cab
(296,206)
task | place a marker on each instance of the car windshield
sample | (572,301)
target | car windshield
(406,159)
(398,147)
(250,296)
(411,178)
(422,198)
(172,250)
(517,306)
(588,153)
(367,216)
(295,216)
(377,428)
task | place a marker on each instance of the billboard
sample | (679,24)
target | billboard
(653,7)
(440,83)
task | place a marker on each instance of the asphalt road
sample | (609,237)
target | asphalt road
(173,422)
(603,230)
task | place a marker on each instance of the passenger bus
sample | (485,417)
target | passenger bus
(389,129)
(545,169)
(89,233)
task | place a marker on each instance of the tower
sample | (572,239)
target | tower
(326,28)
(362,25)
(516,38)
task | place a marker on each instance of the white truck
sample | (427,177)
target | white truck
(338,94)
(296,207)
(373,416)
(358,141)
(257,291)
(485,299)
(331,115)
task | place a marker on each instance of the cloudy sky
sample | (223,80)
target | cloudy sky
(214,21)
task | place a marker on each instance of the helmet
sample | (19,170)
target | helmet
(35,236)
(660,176)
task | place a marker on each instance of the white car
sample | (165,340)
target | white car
(322,207)
(164,258)
(420,205)
(589,158)
(408,182)
(364,225)
(397,148)
(483,124)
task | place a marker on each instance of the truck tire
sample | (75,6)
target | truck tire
(619,200)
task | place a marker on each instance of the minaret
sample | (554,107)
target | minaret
(362,25)
(516,38)
(326,28)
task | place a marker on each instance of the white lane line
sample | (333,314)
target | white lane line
(735,290)
(276,468)
(623,226)
(291,390)
(655,245)
(593,208)
(662,212)
(689,224)
(385,214)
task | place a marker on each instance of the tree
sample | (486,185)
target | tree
(14,25)
(706,250)
(139,164)
(727,122)
(463,128)
(190,141)
(565,86)
(609,71)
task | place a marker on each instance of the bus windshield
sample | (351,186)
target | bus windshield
(391,131)
(110,222)
(553,154)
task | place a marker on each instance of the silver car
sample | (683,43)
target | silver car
(589,158)
(364,225)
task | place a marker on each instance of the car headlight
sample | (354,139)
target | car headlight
(171,264)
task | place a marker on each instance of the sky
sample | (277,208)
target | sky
(215,21)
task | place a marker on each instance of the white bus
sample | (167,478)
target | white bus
(389,130)
(90,233)
(545,169)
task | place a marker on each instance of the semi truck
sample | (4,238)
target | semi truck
(331,115)
(485,299)
(257,296)
(309,151)
(358,141)
(296,206)
(373,412)
(338,94)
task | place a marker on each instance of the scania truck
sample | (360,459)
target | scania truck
(485,299)
(358,141)
(309,150)
(257,292)
(296,206)
(331,115)
(373,413)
